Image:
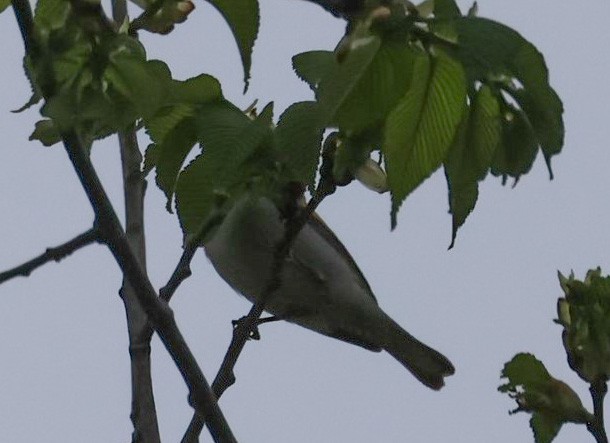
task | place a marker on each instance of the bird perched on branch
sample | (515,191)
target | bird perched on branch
(321,287)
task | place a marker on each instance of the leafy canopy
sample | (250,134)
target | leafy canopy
(422,87)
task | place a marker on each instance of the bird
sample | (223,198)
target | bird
(321,287)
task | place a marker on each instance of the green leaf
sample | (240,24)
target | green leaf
(4,4)
(144,83)
(446,9)
(242,16)
(298,137)
(545,428)
(36,93)
(51,15)
(196,90)
(379,89)
(151,156)
(166,119)
(517,151)
(471,154)
(313,66)
(167,14)
(171,154)
(419,130)
(492,51)
(584,313)
(550,401)
(526,370)
(337,85)
(46,133)
(357,94)
(233,157)
(543,109)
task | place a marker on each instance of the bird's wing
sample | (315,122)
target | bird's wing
(322,229)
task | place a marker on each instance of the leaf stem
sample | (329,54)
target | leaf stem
(596,427)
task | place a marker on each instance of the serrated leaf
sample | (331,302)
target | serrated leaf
(543,109)
(524,369)
(419,130)
(196,90)
(242,16)
(550,401)
(298,137)
(151,155)
(46,133)
(379,89)
(313,66)
(50,15)
(517,151)
(144,84)
(337,85)
(446,9)
(171,155)
(584,313)
(490,50)
(266,115)
(471,154)
(545,428)
(166,119)
(230,142)
(36,93)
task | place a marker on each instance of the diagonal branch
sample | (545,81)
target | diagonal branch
(159,314)
(143,410)
(56,254)
(225,377)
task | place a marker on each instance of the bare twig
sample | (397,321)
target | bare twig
(159,314)
(56,253)
(140,21)
(246,326)
(143,411)
(596,427)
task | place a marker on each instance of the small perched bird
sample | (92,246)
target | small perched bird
(321,288)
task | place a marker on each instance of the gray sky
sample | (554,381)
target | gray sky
(64,370)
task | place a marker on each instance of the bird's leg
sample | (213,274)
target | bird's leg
(254,334)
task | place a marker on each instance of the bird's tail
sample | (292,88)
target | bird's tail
(429,366)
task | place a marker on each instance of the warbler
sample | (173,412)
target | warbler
(321,287)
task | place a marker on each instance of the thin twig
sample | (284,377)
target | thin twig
(140,21)
(596,427)
(56,254)
(183,268)
(160,315)
(246,326)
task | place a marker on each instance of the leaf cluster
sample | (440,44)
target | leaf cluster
(584,314)
(437,89)
(422,87)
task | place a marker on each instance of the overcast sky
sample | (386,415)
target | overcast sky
(64,368)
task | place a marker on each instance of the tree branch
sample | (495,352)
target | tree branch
(598,390)
(183,268)
(140,21)
(56,253)
(159,314)
(143,411)
(225,377)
